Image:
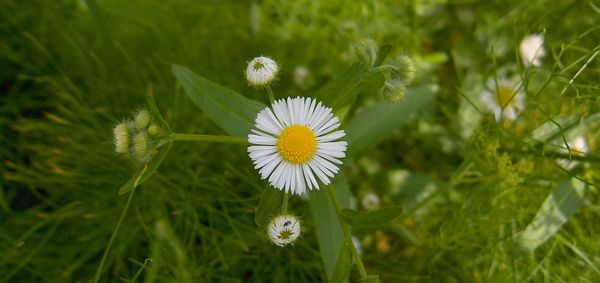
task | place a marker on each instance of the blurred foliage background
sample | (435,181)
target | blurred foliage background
(71,69)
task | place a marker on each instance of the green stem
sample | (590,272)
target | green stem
(208,138)
(285,203)
(347,236)
(270,92)
(113,236)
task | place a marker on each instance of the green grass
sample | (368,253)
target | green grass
(71,70)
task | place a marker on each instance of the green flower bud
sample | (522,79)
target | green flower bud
(142,119)
(141,147)
(153,129)
(393,91)
(405,69)
(121,138)
(366,50)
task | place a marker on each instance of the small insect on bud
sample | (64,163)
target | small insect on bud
(393,91)
(371,201)
(366,49)
(153,129)
(261,71)
(141,147)
(121,138)
(284,229)
(142,119)
(405,69)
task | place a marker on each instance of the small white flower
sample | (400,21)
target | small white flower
(532,50)
(371,201)
(284,229)
(294,142)
(261,71)
(301,74)
(577,147)
(505,99)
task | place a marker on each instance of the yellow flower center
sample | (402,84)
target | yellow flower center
(505,96)
(297,144)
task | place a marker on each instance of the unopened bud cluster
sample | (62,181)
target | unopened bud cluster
(138,138)
(401,75)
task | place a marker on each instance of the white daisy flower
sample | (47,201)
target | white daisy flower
(504,99)
(294,142)
(532,50)
(284,229)
(577,147)
(261,71)
(371,201)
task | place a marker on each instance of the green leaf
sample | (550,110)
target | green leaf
(227,108)
(342,266)
(146,171)
(343,89)
(154,109)
(363,219)
(382,52)
(556,210)
(373,125)
(327,224)
(372,279)
(269,205)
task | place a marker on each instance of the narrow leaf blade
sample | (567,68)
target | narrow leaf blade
(373,125)
(556,210)
(230,110)
(269,205)
(344,87)
(327,224)
(342,266)
(364,219)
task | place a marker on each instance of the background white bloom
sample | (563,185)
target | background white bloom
(261,71)
(371,201)
(504,99)
(294,141)
(284,229)
(532,50)
(577,147)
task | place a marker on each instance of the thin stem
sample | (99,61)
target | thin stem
(347,236)
(285,203)
(270,92)
(113,236)
(208,138)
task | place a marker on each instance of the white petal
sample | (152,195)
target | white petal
(331,136)
(262,140)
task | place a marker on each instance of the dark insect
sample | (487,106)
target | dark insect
(287,223)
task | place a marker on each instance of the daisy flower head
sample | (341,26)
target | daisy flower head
(577,147)
(284,229)
(532,50)
(295,140)
(261,71)
(505,98)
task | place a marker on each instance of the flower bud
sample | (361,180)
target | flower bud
(371,201)
(284,229)
(153,129)
(366,50)
(121,138)
(141,147)
(261,71)
(142,119)
(405,69)
(393,91)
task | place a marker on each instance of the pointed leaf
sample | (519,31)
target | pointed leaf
(556,210)
(146,171)
(342,266)
(373,125)
(327,224)
(227,108)
(343,88)
(363,219)
(269,206)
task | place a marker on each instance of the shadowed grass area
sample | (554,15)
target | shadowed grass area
(71,70)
